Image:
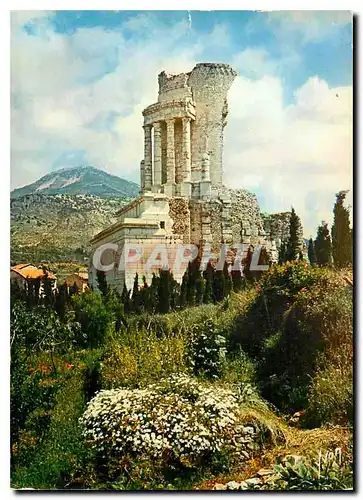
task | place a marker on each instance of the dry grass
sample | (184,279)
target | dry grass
(297,442)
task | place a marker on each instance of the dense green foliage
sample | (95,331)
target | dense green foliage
(287,337)
(164,385)
(94,318)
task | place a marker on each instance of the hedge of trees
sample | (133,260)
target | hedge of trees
(335,247)
(165,294)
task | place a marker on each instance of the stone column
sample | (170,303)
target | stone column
(142,176)
(205,183)
(157,153)
(148,174)
(206,167)
(170,152)
(186,149)
(169,187)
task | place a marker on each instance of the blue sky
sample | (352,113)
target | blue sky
(80,80)
(328,56)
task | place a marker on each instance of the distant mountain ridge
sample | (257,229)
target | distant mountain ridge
(80,180)
(59,227)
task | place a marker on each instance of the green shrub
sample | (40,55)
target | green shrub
(208,350)
(274,294)
(38,329)
(61,450)
(33,331)
(160,324)
(319,321)
(92,382)
(30,402)
(94,318)
(175,323)
(139,356)
(295,473)
(330,398)
(240,369)
(288,279)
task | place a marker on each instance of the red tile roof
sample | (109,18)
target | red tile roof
(29,271)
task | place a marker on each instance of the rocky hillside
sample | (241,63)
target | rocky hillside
(80,180)
(58,227)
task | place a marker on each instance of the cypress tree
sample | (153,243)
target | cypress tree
(208,274)
(61,300)
(144,295)
(218,287)
(264,260)
(248,275)
(164,292)
(47,289)
(102,283)
(312,253)
(135,298)
(32,291)
(154,294)
(323,246)
(184,290)
(227,281)
(293,244)
(125,299)
(237,281)
(342,241)
(199,289)
(174,288)
(73,289)
(282,253)
(192,282)
(116,307)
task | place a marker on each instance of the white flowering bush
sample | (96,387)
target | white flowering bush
(177,419)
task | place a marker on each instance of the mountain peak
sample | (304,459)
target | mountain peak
(84,179)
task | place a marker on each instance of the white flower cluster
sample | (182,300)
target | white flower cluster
(177,417)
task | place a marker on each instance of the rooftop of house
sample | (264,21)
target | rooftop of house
(28,271)
(83,275)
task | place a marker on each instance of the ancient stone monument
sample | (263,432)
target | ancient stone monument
(184,132)
(182,196)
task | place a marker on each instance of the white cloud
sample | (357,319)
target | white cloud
(298,155)
(308,25)
(57,94)
(21,17)
(254,62)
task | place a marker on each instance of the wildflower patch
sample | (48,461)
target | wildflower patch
(179,418)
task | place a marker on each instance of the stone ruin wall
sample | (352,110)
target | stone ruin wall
(232,218)
(180,214)
(209,83)
(195,222)
(215,207)
(203,92)
(173,87)
(278,225)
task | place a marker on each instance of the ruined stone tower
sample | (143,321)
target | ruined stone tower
(182,196)
(183,141)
